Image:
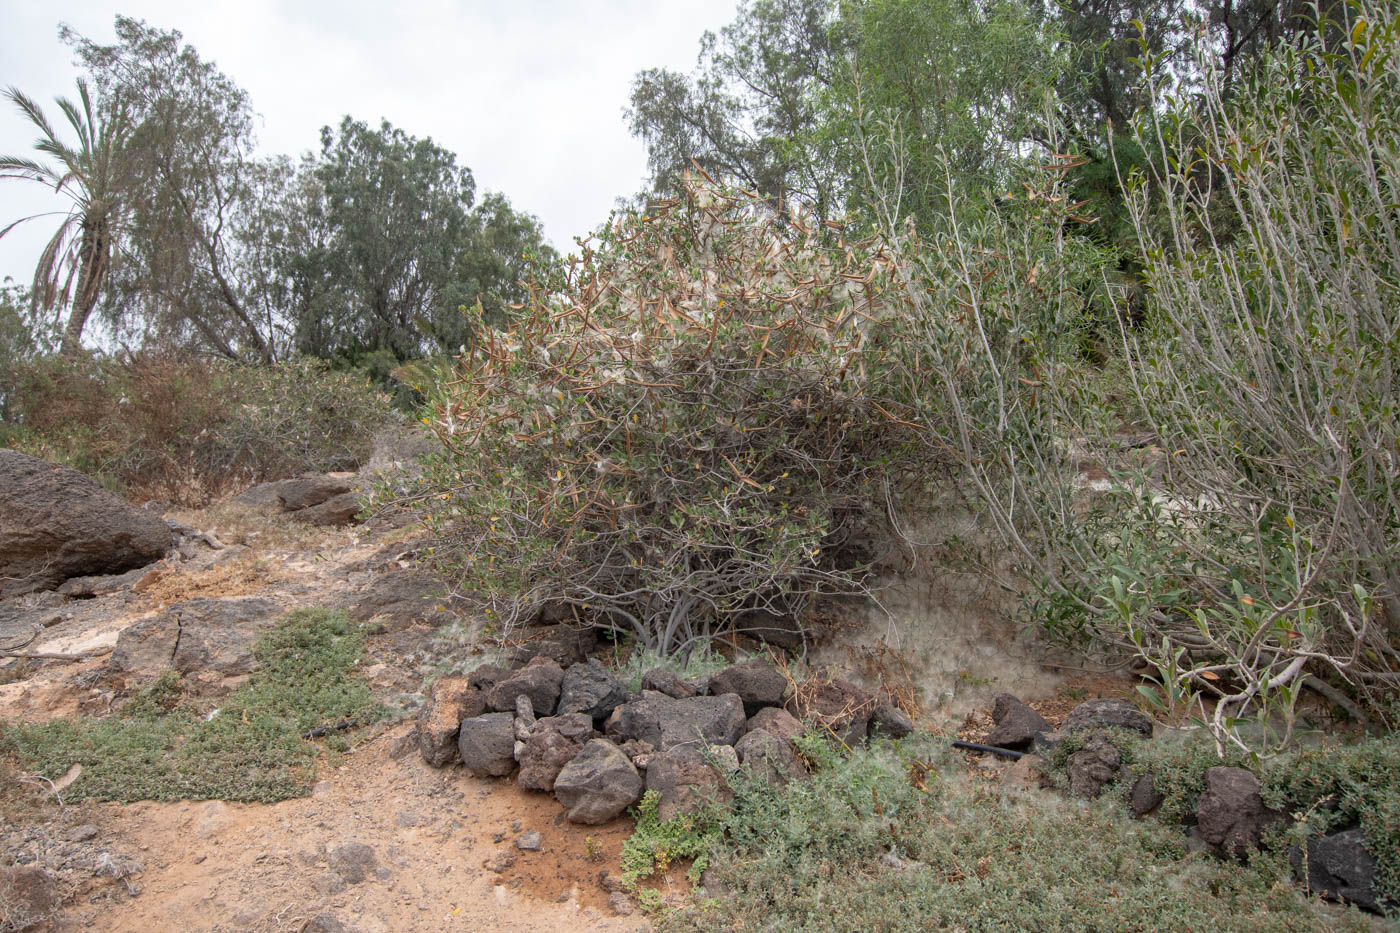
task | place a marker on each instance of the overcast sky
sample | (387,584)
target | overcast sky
(528,93)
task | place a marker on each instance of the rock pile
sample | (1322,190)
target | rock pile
(577,732)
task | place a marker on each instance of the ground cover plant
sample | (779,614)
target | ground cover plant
(165,746)
(1323,786)
(680,432)
(902,839)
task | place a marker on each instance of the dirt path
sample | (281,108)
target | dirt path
(384,843)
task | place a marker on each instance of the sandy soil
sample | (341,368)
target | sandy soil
(443,843)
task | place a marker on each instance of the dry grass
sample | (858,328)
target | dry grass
(245,575)
(235,523)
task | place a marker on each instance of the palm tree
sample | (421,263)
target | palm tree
(93,176)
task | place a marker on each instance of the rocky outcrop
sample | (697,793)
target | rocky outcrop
(56,523)
(196,636)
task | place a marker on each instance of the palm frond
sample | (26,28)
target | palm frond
(15,167)
(31,110)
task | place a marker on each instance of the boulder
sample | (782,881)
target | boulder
(756,682)
(197,635)
(1016,724)
(451,700)
(553,742)
(1230,814)
(337,510)
(1096,714)
(401,598)
(888,719)
(667,722)
(486,744)
(589,688)
(663,681)
(292,495)
(768,757)
(779,722)
(686,782)
(1094,766)
(540,680)
(56,523)
(598,784)
(837,704)
(1341,867)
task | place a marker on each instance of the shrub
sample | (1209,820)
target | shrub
(1218,496)
(681,430)
(185,429)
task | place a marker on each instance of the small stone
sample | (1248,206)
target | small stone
(620,904)
(1094,766)
(81,833)
(353,862)
(1016,724)
(888,719)
(532,841)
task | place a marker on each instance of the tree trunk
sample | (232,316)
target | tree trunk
(93,256)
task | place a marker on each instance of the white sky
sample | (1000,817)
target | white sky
(528,93)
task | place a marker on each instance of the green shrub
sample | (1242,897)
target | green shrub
(184,429)
(163,746)
(681,431)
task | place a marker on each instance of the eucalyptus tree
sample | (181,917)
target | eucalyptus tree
(94,174)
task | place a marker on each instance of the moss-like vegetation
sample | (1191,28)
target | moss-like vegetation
(164,746)
(896,839)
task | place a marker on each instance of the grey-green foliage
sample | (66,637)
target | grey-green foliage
(164,746)
(971,856)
